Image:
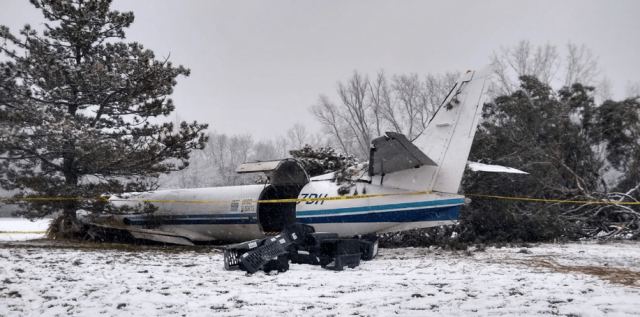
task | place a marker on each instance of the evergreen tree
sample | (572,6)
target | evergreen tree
(568,143)
(557,137)
(619,129)
(79,109)
(323,160)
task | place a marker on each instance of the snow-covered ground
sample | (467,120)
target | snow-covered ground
(16,229)
(87,280)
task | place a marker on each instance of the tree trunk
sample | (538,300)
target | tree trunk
(68,224)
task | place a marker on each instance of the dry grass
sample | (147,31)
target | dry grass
(615,275)
(92,246)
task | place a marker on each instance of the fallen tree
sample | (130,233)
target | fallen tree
(584,165)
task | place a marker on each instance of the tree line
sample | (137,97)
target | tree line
(215,165)
(84,113)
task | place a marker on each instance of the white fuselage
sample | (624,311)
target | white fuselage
(231,213)
(408,186)
(394,210)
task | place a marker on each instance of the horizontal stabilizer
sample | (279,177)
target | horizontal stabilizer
(479,167)
(394,152)
(257,167)
(323,177)
(279,172)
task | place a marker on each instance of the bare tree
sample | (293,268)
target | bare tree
(216,164)
(298,136)
(521,60)
(380,95)
(416,101)
(282,147)
(437,87)
(232,151)
(581,65)
(405,111)
(356,108)
(327,113)
(543,62)
(264,151)
(603,90)
(367,108)
(633,90)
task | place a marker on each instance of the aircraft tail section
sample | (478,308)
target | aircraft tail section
(446,141)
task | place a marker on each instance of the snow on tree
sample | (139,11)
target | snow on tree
(567,142)
(79,110)
(324,160)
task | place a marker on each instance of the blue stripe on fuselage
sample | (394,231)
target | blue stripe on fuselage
(429,203)
(409,213)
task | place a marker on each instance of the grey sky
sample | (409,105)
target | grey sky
(257,66)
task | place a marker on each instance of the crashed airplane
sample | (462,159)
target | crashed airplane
(407,185)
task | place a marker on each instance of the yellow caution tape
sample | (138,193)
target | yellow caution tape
(316,199)
(47,199)
(213,201)
(557,201)
(274,201)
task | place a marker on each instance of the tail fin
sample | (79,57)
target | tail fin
(446,140)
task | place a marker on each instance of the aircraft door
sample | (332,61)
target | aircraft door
(277,206)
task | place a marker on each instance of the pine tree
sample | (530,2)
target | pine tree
(323,160)
(318,161)
(567,142)
(79,109)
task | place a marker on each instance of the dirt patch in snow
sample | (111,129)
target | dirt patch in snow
(616,275)
(96,246)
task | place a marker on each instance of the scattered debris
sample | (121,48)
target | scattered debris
(14,294)
(524,251)
(300,244)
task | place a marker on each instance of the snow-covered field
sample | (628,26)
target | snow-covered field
(49,279)
(16,229)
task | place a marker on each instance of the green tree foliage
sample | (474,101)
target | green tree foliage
(620,130)
(323,160)
(569,145)
(318,161)
(558,137)
(78,108)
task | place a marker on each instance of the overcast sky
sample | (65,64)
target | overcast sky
(257,66)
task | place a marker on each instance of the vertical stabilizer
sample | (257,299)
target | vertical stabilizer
(446,140)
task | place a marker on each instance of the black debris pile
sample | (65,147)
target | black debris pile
(300,244)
